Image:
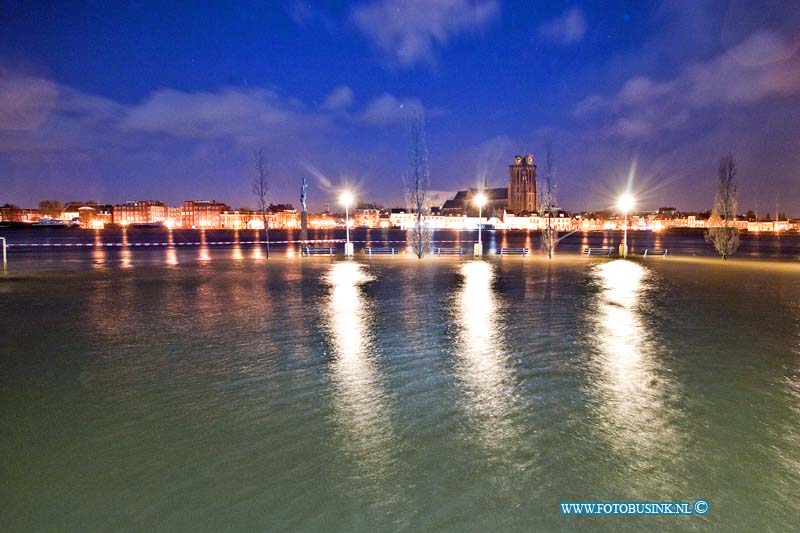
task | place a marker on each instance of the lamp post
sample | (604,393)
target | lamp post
(346,198)
(625,203)
(480,201)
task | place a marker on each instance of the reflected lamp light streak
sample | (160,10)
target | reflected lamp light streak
(632,389)
(361,400)
(483,364)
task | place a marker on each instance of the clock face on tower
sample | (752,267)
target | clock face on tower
(518,160)
(530,159)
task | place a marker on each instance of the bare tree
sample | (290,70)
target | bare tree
(725,235)
(51,208)
(549,234)
(261,189)
(417,180)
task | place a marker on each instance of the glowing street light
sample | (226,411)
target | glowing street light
(346,199)
(625,203)
(480,201)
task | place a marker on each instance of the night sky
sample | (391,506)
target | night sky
(116,101)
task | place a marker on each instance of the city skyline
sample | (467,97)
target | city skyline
(365,203)
(656,91)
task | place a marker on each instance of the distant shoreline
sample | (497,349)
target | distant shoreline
(118,227)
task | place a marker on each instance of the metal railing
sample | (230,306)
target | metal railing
(598,251)
(380,251)
(513,251)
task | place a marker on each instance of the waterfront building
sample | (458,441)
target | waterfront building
(767,225)
(399,218)
(560,221)
(139,212)
(366,216)
(237,219)
(202,213)
(71,211)
(241,219)
(589,222)
(172,216)
(455,222)
(321,220)
(463,203)
(384,220)
(283,216)
(87,214)
(13,213)
(95,216)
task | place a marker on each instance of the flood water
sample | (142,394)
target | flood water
(51,247)
(207,388)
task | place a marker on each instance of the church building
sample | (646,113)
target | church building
(522,185)
(518,198)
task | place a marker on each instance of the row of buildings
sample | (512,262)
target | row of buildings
(589,221)
(190,214)
(512,207)
(214,215)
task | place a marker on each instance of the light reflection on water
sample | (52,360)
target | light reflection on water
(171,252)
(125,253)
(236,250)
(258,252)
(483,365)
(631,384)
(361,403)
(203,255)
(98,251)
(791,384)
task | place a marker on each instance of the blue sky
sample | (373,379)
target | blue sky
(131,100)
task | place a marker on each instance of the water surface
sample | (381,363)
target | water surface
(212,389)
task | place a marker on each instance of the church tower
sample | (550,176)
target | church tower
(522,185)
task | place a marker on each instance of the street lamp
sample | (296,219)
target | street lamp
(480,201)
(346,199)
(625,203)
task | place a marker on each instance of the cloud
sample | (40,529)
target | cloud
(40,116)
(245,115)
(641,90)
(388,109)
(37,114)
(646,124)
(56,140)
(25,102)
(590,104)
(568,29)
(764,65)
(339,99)
(409,33)
(759,67)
